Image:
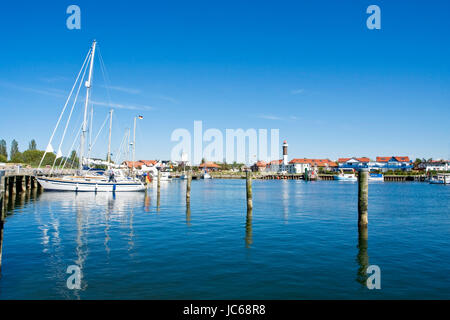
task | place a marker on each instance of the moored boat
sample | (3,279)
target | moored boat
(346,175)
(376,177)
(440,179)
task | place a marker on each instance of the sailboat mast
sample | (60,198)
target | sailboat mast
(88,87)
(109,139)
(134,141)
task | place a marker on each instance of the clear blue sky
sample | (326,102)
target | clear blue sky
(310,68)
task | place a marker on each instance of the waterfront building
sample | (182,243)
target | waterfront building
(435,165)
(355,163)
(298,165)
(394,163)
(259,166)
(209,166)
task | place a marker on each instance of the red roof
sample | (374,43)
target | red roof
(275,162)
(316,162)
(260,164)
(363,159)
(399,159)
(131,164)
(149,163)
(208,165)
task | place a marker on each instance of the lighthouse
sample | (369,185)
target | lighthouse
(285,153)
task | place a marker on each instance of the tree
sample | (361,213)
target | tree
(17,157)
(32,145)
(14,148)
(3,158)
(32,157)
(3,150)
(73,159)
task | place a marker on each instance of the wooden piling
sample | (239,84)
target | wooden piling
(188,188)
(158,182)
(158,190)
(249,190)
(363,197)
(362,257)
(12,185)
(1,242)
(248,228)
(2,213)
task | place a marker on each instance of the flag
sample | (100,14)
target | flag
(141,117)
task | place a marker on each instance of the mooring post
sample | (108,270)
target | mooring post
(188,188)
(362,257)
(28,182)
(249,190)
(20,183)
(2,193)
(1,242)
(158,181)
(363,197)
(158,190)
(12,184)
(248,228)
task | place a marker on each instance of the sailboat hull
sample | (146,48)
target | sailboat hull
(56,184)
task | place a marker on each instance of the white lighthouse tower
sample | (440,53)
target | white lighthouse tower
(285,153)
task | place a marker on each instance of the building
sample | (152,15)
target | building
(209,166)
(259,166)
(354,163)
(435,165)
(274,166)
(394,163)
(299,165)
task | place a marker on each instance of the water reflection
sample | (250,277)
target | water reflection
(158,198)
(188,213)
(116,207)
(285,199)
(147,202)
(248,229)
(1,243)
(362,257)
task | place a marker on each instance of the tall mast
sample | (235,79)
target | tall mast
(88,87)
(134,142)
(109,138)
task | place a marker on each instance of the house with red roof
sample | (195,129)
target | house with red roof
(259,166)
(209,166)
(299,165)
(354,162)
(394,163)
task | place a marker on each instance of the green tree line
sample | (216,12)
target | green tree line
(32,155)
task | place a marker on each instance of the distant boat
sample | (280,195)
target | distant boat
(440,179)
(376,177)
(165,176)
(346,176)
(206,175)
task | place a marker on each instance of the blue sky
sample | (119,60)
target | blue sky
(309,68)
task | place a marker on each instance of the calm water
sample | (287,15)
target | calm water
(302,242)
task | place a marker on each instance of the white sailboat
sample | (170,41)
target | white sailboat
(116,181)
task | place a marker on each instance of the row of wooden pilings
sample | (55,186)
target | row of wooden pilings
(363,201)
(9,186)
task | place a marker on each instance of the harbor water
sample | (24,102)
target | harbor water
(299,242)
